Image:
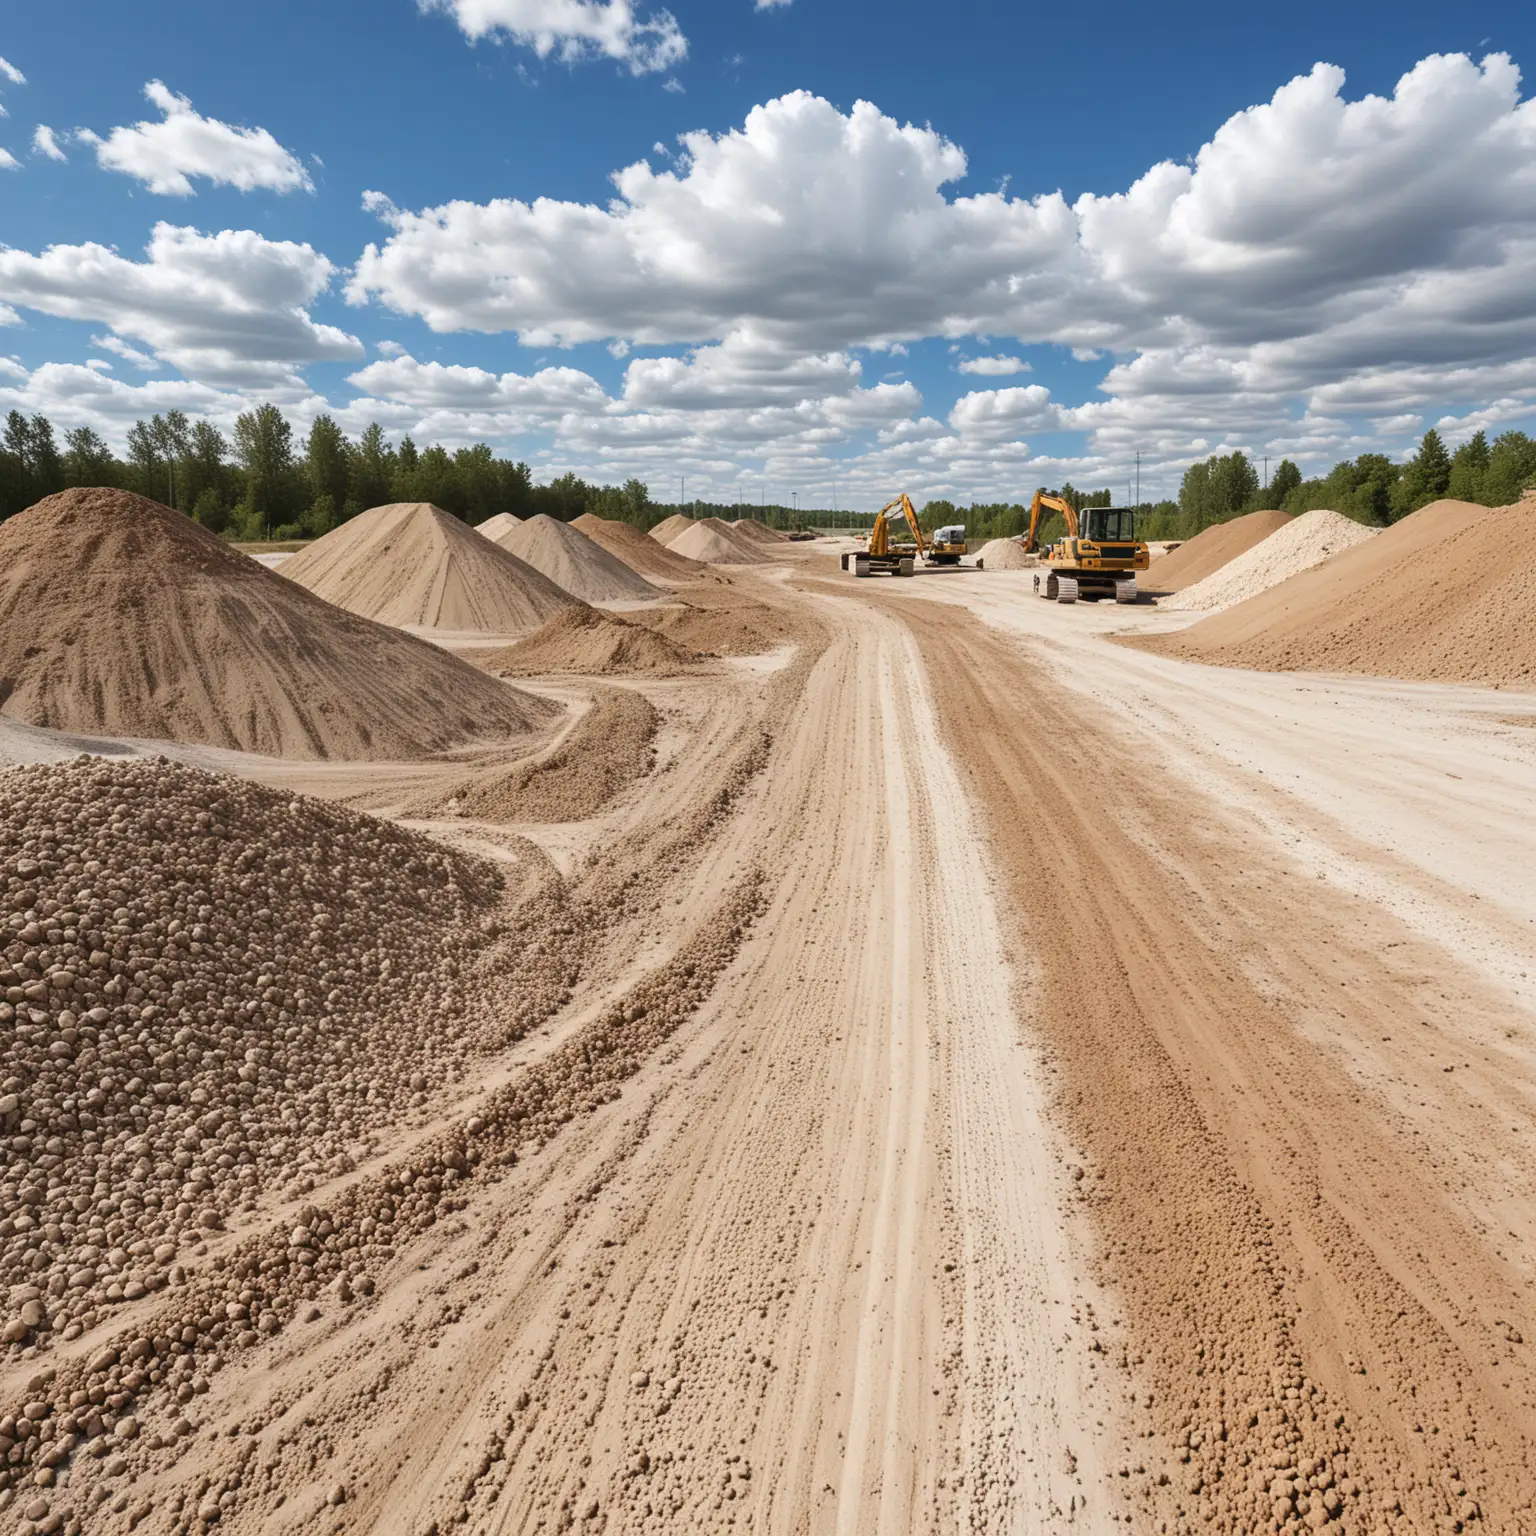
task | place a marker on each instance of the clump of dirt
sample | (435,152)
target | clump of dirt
(669,528)
(742,629)
(592,644)
(1209,550)
(494,527)
(608,749)
(1304,542)
(574,562)
(411,563)
(717,543)
(210,987)
(641,553)
(1005,555)
(1445,595)
(118,615)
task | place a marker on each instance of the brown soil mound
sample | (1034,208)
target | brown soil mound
(717,543)
(410,563)
(1444,595)
(752,528)
(227,987)
(607,750)
(494,527)
(665,532)
(641,553)
(1209,550)
(593,644)
(742,630)
(573,561)
(1005,555)
(118,615)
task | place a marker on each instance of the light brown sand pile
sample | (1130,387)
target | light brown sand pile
(667,530)
(753,528)
(1209,550)
(574,562)
(641,553)
(593,644)
(744,629)
(410,563)
(219,988)
(494,527)
(1004,555)
(1444,595)
(1304,542)
(118,615)
(606,751)
(717,543)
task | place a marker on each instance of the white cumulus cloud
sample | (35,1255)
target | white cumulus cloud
(8,161)
(166,155)
(996,367)
(45,142)
(574,30)
(9,72)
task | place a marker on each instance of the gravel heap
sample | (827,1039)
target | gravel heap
(669,528)
(743,629)
(758,531)
(494,527)
(592,644)
(206,987)
(641,553)
(1005,555)
(574,562)
(1307,541)
(1209,550)
(716,543)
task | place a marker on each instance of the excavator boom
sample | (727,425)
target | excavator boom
(1098,557)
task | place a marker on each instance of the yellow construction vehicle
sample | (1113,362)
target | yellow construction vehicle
(892,556)
(947,545)
(1099,556)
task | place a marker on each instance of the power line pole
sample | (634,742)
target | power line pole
(1138,477)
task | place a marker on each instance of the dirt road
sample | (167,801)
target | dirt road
(1020,1086)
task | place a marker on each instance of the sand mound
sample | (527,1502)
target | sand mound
(665,532)
(573,561)
(717,543)
(752,528)
(745,629)
(641,553)
(1444,595)
(1304,542)
(593,644)
(409,563)
(494,527)
(224,988)
(1209,550)
(120,616)
(1005,555)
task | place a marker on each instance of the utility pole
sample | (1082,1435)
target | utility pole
(1266,471)
(682,491)
(1138,477)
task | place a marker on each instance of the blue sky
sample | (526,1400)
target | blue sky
(1050,239)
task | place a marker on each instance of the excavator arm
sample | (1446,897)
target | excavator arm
(880,530)
(1043,503)
(910,514)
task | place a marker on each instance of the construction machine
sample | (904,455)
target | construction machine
(1098,557)
(891,555)
(947,545)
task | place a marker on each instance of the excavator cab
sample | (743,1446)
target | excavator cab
(1108,525)
(1098,557)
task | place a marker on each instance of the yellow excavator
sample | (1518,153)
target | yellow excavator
(885,554)
(1099,556)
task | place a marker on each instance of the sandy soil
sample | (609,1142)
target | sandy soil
(1008,1082)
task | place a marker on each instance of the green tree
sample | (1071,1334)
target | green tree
(264,447)
(327,462)
(402,483)
(87,459)
(1286,478)
(435,480)
(370,471)
(210,510)
(1469,468)
(205,467)
(1425,478)
(1511,469)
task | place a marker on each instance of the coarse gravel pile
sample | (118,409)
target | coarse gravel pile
(1304,542)
(120,616)
(1004,555)
(206,987)
(1209,550)
(410,563)
(715,543)
(642,554)
(669,528)
(1442,596)
(579,565)
(592,644)
(493,527)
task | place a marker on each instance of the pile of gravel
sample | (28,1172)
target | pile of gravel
(206,988)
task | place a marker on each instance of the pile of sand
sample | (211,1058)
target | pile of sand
(120,616)
(1209,550)
(715,543)
(1304,542)
(664,532)
(744,629)
(753,528)
(1005,555)
(220,988)
(1447,594)
(641,553)
(582,640)
(494,527)
(410,563)
(573,561)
